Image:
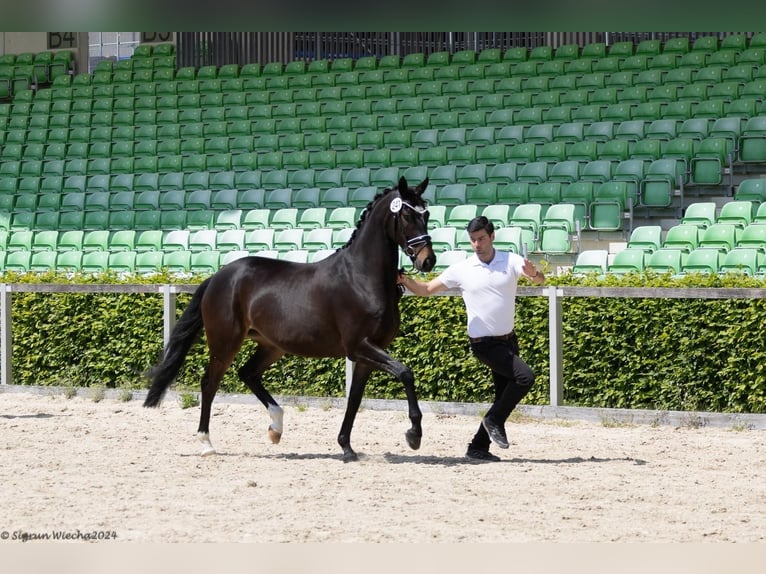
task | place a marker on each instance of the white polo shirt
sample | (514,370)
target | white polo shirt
(488,290)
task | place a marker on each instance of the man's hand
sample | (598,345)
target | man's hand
(532,272)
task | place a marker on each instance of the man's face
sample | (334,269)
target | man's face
(481,243)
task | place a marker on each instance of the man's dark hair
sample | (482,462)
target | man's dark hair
(479,223)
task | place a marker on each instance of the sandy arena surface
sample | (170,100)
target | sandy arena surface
(76,465)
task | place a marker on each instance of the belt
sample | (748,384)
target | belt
(506,337)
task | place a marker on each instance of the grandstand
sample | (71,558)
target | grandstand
(606,157)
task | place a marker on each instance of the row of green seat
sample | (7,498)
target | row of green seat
(174,215)
(141,263)
(650,183)
(547,228)
(29,70)
(702,164)
(278,167)
(364,132)
(681,84)
(223,240)
(258,120)
(381,84)
(678,263)
(48,229)
(556,223)
(213,138)
(555,107)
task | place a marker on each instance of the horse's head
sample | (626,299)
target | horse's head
(410,213)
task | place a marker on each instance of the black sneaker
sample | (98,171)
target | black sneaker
(496,432)
(479,454)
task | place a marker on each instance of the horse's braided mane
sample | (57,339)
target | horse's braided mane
(365,211)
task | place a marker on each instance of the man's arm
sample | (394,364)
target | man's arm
(421,288)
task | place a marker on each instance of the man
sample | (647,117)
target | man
(487,281)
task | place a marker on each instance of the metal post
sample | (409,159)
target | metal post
(6,353)
(168,312)
(555,353)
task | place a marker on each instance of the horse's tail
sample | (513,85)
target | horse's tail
(185,333)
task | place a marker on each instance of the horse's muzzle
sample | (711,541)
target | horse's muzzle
(421,253)
(425,259)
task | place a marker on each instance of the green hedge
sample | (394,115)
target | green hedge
(674,354)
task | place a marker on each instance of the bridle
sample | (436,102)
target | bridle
(413,245)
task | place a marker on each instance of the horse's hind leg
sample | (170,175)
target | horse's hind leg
(251,373)
(210,381)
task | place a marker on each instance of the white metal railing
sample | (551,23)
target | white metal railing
(555,295)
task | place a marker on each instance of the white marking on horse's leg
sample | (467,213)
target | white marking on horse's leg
(275,428)
(207,446)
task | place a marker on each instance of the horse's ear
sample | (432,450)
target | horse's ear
(422,187)
(402,185)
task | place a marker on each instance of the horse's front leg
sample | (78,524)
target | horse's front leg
(354,399)
(378,358)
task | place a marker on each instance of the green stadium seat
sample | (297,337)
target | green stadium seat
(711,158)
(482,193)
(203,240)
(383,177)
(742,260)
(722,236)
(753,141)
(661,179)
(149,262)
(737,212)
(545,193)
(284,218)
(122,240)
(591,261)
(459,215)
(701,214)
(707,44)
(666,260)
(599,131)
(228,219)
(649,111)
(567,171)
(230,240)
(18,261)
(177,261)
(443,238)
(610,200)
(628,261)
(341,217)
(256,218)
(259,239)
(510,239)
(754,235)
(149,240)
(751,190)
(646,237)
(312,217)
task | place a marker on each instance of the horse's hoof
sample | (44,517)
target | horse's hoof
(274,435)
(413,439)
(350,456)
(207,446)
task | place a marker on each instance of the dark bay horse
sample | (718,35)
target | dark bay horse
(346,305)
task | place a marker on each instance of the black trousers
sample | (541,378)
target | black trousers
(512,378)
